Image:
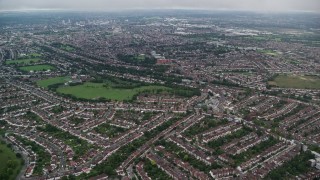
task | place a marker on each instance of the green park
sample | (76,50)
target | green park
(296,81)
(51,81)
(43,67)
(91,90)
(10,162)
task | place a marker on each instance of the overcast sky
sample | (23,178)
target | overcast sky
(253,5)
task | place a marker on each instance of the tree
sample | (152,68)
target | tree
(64,178)
(72,177)
(9,146)
(11,164)
(18,155)
(186,157)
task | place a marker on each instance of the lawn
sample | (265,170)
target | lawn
(97,90)
(57,80)
(43,67)
(9,162)
(23,61)
(296,81)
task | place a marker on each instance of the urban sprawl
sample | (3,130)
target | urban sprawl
(159,95)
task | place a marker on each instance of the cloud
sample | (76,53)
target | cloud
(255,5)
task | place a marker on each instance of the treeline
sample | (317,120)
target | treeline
(43,157)
(9,109)
(171,147)
(79,146)
(251,152)
(153,171)
(59,45)
(289,170)
(224,82)
(156,72)
(134,60)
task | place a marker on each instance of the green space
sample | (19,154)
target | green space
(276,122)
(137,59)
(43,157)
(108,130)
(148,115)
(90,90)
(43,67)
(35,55)
(153,171)
(51,81)
(9,109)
(141,57)
(111,88)
(67,48)
(204,125)
(269,52)
(205,36)
(10,162)
(162,127)
(264,38)
(298,165)
(315,148)
(33,117)
(24,61)
(114,161)
(76,121)
(296,81)
(294,62)
(79,146)
(181,154)
(251,152)
(224,140)
(57,109)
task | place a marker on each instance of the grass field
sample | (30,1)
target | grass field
(97,90)
(43,67)
(23,61)
(57,80)
(269,52)
(296,81)
(8,158)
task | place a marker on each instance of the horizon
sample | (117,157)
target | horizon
(125,5)
(158,10)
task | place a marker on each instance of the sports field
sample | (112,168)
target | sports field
(10,165)
(296,81)
(97,90)
(43,67)
(23,61)
(57,80)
